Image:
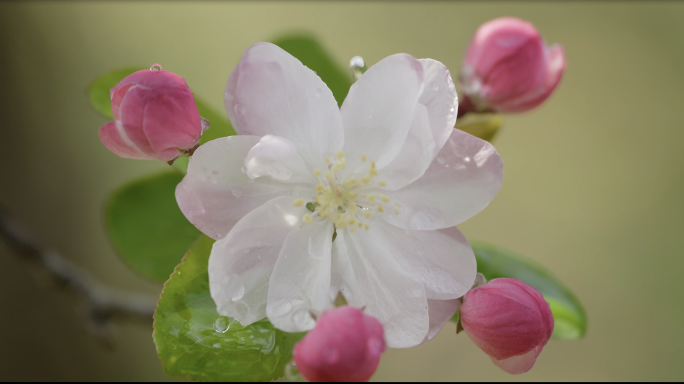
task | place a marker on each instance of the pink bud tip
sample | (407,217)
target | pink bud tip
(345,345)
(510,321)
(509,68)
(155,116)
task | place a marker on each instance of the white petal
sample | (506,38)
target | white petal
(443,260)
(271,92)
(379,108)
(343,278)
(460,182)
(300,283)
(277,157)
(240,264)
(215,193)
(432,124)
(441,311)
(391,294)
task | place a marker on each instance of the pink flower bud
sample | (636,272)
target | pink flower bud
(345,345)
(510,321)
(155,116)
(509,68)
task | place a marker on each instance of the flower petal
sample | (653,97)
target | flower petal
(443,260)
(518,364)
(432,124)
(240,264)
(440,311)
(391,294)
(115,139)
(463,179)
(215,193)
(343,279)
(300,283)
(271,92)
(379,108)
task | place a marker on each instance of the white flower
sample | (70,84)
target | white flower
(387,171)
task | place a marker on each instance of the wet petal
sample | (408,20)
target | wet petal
(271,92)
(300,283)
(379,108)
(277,157)
(241,263)
(216,193)
(460,182)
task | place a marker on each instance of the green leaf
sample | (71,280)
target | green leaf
(568,313)
(311,53)
(146,227)
(484,126)
(98,92)
(195,342)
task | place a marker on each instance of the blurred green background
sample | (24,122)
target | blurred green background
(593,186)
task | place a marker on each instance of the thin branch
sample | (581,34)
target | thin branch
(102,304)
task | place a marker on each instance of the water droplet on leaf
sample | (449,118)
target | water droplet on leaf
(221,324)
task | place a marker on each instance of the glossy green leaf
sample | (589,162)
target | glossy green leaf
(195,342)
(484,126)
(146,227)
(568,313)
(311,53)
(98,92)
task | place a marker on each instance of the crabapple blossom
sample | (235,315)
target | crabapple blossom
(386,176)
(509,68)
(509,320)
(155,116)
(345,345)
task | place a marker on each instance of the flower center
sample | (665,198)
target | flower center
(348,201)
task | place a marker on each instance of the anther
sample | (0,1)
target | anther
(298,202)
(317,172)
(339,154)
(366,227)
(371,197)
(363,158)
(368,214)
(380,208)
(366,179)
(307,219)
(396,212)
(385,198)
(382,183)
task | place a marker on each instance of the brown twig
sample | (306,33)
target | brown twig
(102,304)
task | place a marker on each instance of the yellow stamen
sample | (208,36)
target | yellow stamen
(317,172)
(307,219)
(385,198)
(382,183)
(366,227)
(371,197)
(363,158)
(340,154)
(298,202)
(368,214)
(366,179)
(380,208)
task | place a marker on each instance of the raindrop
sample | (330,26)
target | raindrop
(239,294)
(239,109)
(205,124)
(441,159)
(452,110)
(221,324)
(156,67)
(291,371)
(356,62)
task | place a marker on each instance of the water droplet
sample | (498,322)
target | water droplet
(466,159)
(356,62)
(291,371)
(452,110)
(242,309)
(441,159)
(221,324)
(239,293)
(239,109)
(205,124)
(243,169)
(156,67)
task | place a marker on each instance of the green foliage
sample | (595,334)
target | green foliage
(568,313)
(484,126)
(311,53)
(147,228)
(195,342)
(98,92)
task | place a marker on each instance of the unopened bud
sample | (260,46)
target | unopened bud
(345,345)
(509,320)
(509,68)
(155,116)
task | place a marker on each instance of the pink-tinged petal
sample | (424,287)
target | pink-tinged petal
(116,140)
(148,79)
(394,296)
(241,263)
(518,364)
(440,311)
(443,260)
(132,113)
(343,279)
(379,109)
(277,157)
(270,92)
(460,182)
(441,100)
(345,345)
(300,283)
(215,193)
(172,122)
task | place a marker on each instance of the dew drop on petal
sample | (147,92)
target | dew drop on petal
(239,293)
(239,109)
(221,324)
(205,124)
(156,67)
